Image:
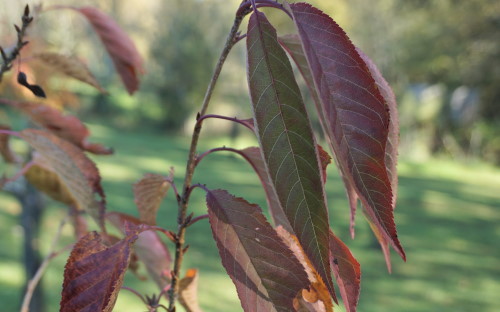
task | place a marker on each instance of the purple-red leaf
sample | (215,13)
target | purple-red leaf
(354,114)
(78,173)
(94,274)
(121,48)
(287,142)
(149,248)
(347,272)
(67,127)
(149,193)
(188,291)
(266,273)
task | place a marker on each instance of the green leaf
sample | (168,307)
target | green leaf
(287,142)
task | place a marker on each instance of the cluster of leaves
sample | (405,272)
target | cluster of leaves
(284,265)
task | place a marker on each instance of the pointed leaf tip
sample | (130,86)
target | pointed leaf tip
(287,142)
(353,113)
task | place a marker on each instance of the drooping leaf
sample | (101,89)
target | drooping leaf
(317,296)
(356,117)
(120,47)
(149,193)
(149,248)
(391,148)
(266,273)
(347,272)
(188,291)
(70,66)
(94,274)
(287,142)
(78,173)
(7,154)
(65,126)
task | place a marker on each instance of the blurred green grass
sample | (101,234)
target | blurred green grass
(447,215)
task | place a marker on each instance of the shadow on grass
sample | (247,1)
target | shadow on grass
(447,222)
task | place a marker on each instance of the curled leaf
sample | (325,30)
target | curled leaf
(77,172)
(7,154)
(67,127)
(70,66)
(120,47)
(35,89)
(149,193)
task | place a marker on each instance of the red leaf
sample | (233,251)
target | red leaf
(149,248)
(266,273)
(188,291)
(347,272)
(94,274)
(65,126)
(121,49)
(287,142)
(355,115)
(78,173)
(149,193)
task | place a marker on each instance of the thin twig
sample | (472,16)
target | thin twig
(190,166)
(198,218)
(243,122)
(8,59)
(39,273)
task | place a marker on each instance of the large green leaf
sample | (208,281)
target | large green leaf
(287,142)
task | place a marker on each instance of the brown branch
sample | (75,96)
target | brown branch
(21,32)
(191,162)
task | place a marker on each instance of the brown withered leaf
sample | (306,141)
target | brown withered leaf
(7,154)
(266,273)
(120,47)
(347,272)
(94,274)
(70,66)
(316,297)
(148,195)
(67,127)
(188,291)
(149,248)
(77,172)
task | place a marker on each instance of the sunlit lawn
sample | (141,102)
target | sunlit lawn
(448,218)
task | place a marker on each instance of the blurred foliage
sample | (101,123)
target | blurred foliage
(441,57)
